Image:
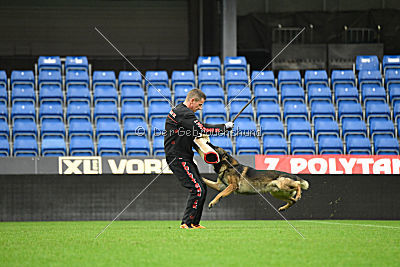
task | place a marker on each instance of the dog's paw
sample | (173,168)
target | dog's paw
(281,209)
(211,204)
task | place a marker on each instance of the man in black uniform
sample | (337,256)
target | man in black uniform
(181,127)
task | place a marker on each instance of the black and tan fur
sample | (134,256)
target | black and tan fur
(235,177)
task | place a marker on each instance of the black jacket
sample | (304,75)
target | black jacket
(181,127)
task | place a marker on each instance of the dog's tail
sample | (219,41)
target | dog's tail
(304,184)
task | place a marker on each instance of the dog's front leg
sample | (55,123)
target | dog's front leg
(227,191)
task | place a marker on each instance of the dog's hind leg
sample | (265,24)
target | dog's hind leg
(212,184)
(227,191)
(290,202)
(298,195)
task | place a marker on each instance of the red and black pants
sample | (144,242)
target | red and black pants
(189,176)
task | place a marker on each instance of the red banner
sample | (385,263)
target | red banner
(330,164)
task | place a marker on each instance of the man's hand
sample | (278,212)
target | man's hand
(229,125)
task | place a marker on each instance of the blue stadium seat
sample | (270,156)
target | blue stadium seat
(316,77)
(24,77)
(49,63)
(3,111)
(381,127)
(80,126)
(78,110)
(132,92)
(262,78)
(53,146)
(135,126)
(236,106)
(394,93)
(157,126)
(265,92)
(208,63)
(81,145)
(107,127)
(24,127)
(4,129)
(212,77)
(238,92)
(318,92)
(386,146)
(137,146)
(51,92)
(52,127)
(390,62)
(214,110)
(353,126)
(377,110)
(23,109)
(213,93)
(292,92)
(25,146)
(50,109)
(212,120)
(349,110)
(245,126)
(325,127)
(302,145)
(271,126)
(3,87)
(298,126)
(129,78)
(358,145)
(158,93)
(4,147)
(367,63)
(109,146)
(78,93)
(247,145)
(154,78)
(182,78)
(75,63)
(322,110)
(289,77)
(104,78)
(369,77)
(105,93)
(274,145)
(50,77)
(158,110)
(373,93)
(76,78)
(237,77)
(330,145)
(23,92)
(294,109)
(235,63)
(105,110)
(396,113)
(223,142)
(343,77)
(392,76)
(158,146)
(50,86)
(346,93)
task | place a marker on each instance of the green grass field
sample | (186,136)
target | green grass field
(223,243)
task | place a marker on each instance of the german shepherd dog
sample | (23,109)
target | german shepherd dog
(235,177)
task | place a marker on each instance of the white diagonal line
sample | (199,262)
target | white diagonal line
(144,77)
(266,66)
(267,201)
(355,224)
(133,200)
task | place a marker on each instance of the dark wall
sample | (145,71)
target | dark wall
(153,34)
(54,197)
